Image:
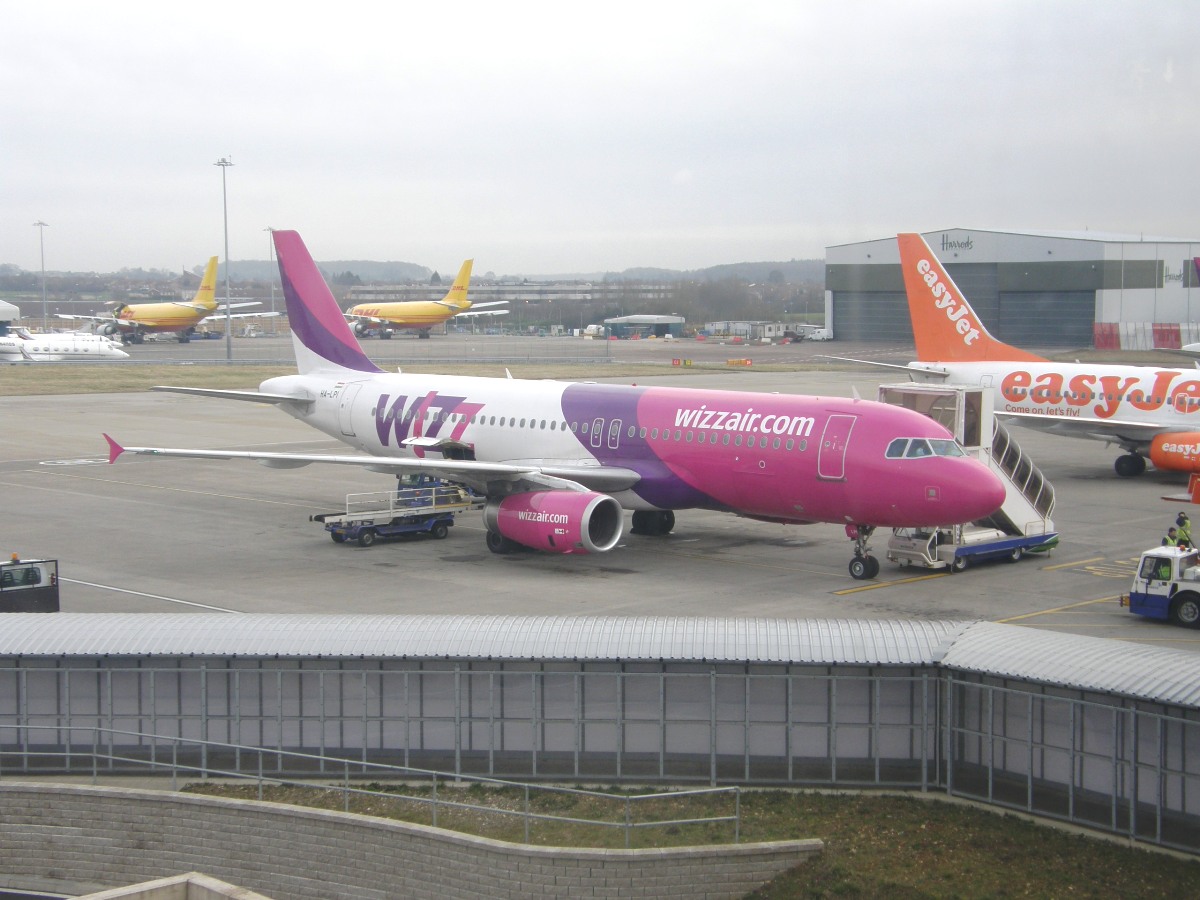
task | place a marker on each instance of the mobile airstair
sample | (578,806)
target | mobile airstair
(1021,525)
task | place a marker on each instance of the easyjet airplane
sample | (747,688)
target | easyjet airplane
(1149,411)
(558,461)
(134,320)
(421,315)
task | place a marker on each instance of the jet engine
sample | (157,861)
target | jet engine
(361,328)
(107,328)
(1176,451)
(557,521)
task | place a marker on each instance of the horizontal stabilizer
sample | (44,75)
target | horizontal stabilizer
(251,396)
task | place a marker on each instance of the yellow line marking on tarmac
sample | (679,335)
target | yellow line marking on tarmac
(1078,562)
(1057,609)
(882,584)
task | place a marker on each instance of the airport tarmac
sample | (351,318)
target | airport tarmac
(170,535)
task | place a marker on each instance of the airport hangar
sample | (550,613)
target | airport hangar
(1033,289)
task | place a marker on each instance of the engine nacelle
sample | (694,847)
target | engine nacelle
(1176,452)
(108,328)
(558,521)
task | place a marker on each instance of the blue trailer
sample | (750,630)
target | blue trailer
(425,506)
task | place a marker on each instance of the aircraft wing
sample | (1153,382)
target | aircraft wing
(251,396)
(483,477)
(85,318)
(1129,435)
(926,369)
(482,312)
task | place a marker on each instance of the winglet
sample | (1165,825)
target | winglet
(945,327)
(114,449)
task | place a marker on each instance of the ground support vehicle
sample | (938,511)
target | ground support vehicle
(1021,525)
(424,507)
(29,585)
(956,548)
(1167,586)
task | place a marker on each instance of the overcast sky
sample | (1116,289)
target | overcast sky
(579,137)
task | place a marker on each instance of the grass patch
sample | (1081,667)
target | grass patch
(875,845)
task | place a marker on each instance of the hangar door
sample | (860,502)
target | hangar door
(1033,319)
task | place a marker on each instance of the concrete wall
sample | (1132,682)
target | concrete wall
(116,836)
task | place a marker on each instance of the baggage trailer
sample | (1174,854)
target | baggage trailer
(424,506)
(957,548)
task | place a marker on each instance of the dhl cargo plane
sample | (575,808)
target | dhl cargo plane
(1149,411)
(559,461)
(422,315)
(134,320)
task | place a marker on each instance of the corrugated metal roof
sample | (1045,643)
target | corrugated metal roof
(846,641)
(1077,661)
(1073,661)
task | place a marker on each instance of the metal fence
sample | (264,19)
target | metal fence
(180,758)
(1105,762)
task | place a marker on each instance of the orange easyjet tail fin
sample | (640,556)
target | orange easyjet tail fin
(945,327)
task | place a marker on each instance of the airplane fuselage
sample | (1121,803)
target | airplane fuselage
(49,347)
(408,314)
(772,456)
(1092,400)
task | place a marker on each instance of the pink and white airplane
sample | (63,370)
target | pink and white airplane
(559,461)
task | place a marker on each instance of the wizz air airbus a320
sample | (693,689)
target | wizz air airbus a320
(558,461)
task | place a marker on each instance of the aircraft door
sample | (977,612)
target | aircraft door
(831,458)
(346,407)
(614,434)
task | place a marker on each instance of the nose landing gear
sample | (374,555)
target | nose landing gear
(863,566)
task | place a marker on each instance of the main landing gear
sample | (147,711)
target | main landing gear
(652,521)
(1130,464)
(863,566)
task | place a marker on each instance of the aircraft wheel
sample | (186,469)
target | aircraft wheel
(1185,610)
(859,568)
(959,564)
(1130,464)
(366,537)
(440,531)
(872,566)
(498,543)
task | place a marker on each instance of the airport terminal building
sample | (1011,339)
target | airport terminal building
(1031,289)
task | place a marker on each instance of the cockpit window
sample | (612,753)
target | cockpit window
(946,448)
(915,448)
(919,447)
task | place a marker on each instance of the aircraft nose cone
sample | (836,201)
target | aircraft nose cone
(986,491)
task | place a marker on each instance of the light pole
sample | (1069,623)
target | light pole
(225,163)
(41,227)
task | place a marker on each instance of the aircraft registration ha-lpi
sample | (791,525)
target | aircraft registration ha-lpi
(559,462)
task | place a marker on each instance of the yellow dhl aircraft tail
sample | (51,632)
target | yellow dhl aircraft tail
(945,327)
(206,294)
(457,295)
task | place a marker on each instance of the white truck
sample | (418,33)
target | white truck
(1167,586)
